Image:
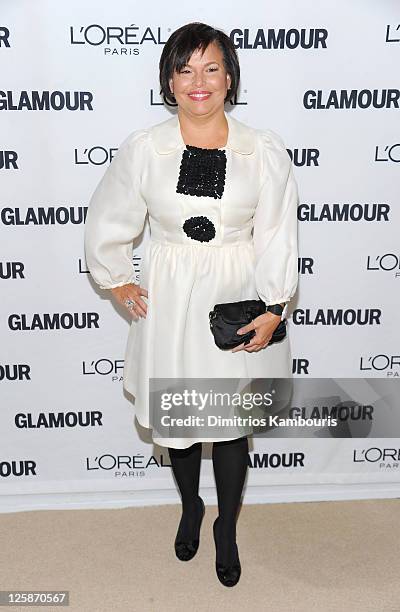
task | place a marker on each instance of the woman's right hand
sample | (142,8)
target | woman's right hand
(132,292)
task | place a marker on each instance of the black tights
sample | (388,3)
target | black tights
(230,467)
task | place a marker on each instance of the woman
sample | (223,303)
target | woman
(222,206)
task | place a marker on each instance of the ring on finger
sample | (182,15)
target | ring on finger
(130,303)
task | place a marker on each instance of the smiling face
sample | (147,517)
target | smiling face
(201,86)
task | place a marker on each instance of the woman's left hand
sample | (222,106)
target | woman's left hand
(264,326)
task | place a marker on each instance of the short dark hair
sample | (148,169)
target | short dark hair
(180,46)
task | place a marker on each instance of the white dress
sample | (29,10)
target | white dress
(252,254)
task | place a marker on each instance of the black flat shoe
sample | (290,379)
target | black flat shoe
(228,575)
(187,550)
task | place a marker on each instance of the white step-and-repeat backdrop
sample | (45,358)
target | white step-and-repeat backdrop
(75,79)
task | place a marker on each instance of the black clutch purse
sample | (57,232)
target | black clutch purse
(226,319)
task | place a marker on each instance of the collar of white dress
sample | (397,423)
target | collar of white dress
(167,136)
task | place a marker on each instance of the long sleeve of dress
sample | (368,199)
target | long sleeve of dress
(275,224)
(116,215)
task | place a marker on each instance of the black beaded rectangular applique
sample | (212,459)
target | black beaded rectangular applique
(202,172)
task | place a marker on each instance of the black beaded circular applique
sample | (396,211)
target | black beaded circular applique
(199,228)
(202,172)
